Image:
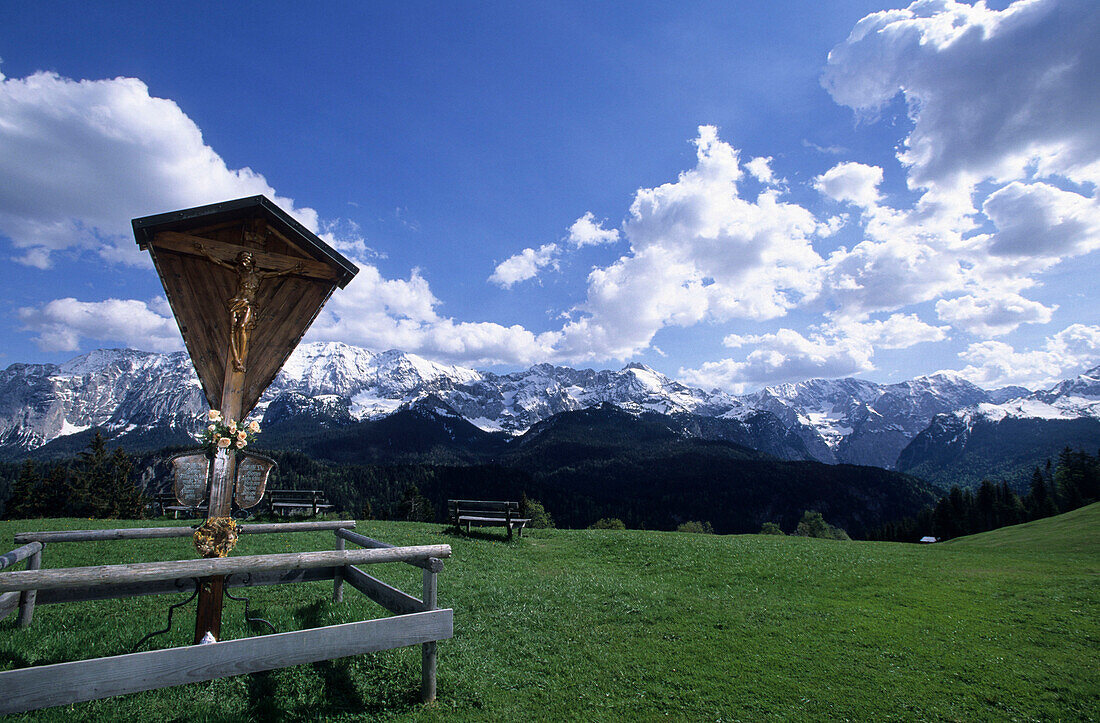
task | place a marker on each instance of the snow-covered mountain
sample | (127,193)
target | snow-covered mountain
(114,388)
(999,439)
(842,420)
(866,423)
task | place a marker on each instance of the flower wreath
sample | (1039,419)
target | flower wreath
(228,435)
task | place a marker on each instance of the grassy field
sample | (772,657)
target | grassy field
(603,625)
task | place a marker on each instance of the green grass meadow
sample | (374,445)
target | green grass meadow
(634,625)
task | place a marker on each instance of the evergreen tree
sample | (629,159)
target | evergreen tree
(24,501)
(1040,502)
(55,493)
(127,498)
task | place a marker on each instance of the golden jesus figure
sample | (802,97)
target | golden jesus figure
(242,311)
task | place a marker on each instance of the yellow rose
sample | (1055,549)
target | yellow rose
(232,426)
(254,426)
(240,444)
(223,443)
(212,427)
(242,434)
(214,415)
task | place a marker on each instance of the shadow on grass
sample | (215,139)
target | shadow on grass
(340,694)
(477,535)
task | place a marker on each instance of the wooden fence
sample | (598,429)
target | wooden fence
(415,621)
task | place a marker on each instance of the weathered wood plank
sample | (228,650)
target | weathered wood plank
(493,521)
(134,533)
(338,577)
(255,529)
(151,571)
(19,554)
(168,587)
(435,565)
(146,533)
(27,598)
(66,683)
(484,504)
(8,601)
(388,597)
(428,651)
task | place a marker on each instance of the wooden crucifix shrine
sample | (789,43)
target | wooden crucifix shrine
(245,281)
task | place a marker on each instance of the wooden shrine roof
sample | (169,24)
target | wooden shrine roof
(237,210)
(198,289)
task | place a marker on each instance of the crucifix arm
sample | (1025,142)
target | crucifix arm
(211,257)
(296,269)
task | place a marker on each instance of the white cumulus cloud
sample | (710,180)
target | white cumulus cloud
(381,313)
(850,182)
(524,265)
(898,331)
(1040,221)
(698,251)
(587,231)
(61,324)
(80,159)
(1003,147)
(785,355)
(761,169)
(1069,352)
(990,92)
(992,314)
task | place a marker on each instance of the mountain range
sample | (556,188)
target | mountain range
(924,426)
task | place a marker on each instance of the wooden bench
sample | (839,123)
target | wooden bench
(483,513)
(291,502)
(167,503)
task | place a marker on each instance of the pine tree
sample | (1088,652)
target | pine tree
(1039,500)
(24,501)
(126,497)
(55,493)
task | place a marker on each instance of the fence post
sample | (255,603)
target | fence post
(427,650)
(26,598)
(338,578)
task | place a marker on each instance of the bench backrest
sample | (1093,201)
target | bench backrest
(297,495)
(483,508)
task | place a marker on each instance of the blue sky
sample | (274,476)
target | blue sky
(735,194)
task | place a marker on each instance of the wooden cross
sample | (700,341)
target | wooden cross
(245,281)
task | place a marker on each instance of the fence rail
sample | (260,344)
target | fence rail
(415,621)
(153,571)
(66,683)
(433,565)
(19,554)
(149,533)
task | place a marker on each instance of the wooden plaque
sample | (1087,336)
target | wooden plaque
(252,473)
(190,474)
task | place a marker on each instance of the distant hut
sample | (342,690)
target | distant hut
(929,538)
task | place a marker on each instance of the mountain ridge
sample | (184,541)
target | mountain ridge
(331,384)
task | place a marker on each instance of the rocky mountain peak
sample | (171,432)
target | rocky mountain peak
(334,384)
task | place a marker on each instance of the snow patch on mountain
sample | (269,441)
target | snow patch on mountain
(1069,399)
(837,420)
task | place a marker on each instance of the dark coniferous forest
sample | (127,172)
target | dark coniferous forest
(585,466)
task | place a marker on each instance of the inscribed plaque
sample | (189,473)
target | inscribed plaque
(189,478)
(252,473)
